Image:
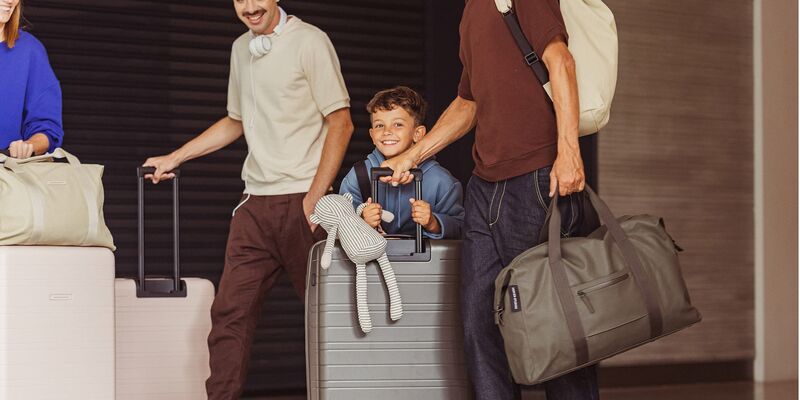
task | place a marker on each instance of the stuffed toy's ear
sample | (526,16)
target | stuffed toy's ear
(348,196)
(315,219)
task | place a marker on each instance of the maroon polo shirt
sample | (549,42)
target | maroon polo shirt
(516,131)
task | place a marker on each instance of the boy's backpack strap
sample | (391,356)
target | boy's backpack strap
(364,184)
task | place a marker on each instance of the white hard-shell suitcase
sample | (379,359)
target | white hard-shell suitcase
(56,323)
(162,327)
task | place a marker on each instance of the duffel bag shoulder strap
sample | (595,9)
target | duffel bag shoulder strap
(561,282)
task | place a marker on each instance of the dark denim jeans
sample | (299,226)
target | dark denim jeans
(503,219)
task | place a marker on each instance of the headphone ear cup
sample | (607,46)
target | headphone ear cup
(260,45)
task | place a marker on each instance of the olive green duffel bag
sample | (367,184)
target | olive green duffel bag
(56,204)
(572,302)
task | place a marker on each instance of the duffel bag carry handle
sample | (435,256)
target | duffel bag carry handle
(14,163)
(561,281)
(160,288)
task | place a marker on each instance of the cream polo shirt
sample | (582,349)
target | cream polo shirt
(282,99)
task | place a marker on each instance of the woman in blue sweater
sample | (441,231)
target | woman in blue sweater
(30,100)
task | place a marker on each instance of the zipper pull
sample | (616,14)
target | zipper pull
(586,301)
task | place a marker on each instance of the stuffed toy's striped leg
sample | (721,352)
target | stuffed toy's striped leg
(327,254)
(361,299)
(395,303)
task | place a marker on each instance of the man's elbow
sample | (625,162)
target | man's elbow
(341,123)
(557,57)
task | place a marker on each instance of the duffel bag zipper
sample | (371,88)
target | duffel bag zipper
(583,293)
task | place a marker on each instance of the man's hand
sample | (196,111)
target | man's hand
(371,214)
(20,149)
(401,165)
(421,214)
(567,174)
(309,203)
(164,165)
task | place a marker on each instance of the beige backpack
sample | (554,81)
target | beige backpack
(593,43)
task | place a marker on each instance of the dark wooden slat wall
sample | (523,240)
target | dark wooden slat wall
(679,145)
(142,77)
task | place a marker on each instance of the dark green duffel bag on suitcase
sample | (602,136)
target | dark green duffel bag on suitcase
(572,302)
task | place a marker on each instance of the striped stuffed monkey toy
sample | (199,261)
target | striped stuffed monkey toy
(362,244)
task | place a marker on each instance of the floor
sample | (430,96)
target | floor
(719,391)
(716,391)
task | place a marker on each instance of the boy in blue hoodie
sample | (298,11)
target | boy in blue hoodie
(396,116)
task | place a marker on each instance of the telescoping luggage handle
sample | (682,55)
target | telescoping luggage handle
(160,287)
(395,249)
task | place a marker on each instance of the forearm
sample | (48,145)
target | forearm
(564,88)
(340,129)
(222,133)
(458,119)
(40,142)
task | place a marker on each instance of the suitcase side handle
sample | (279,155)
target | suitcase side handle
(378,172)
(160,288)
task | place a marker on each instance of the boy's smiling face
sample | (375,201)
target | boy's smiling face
(394,131)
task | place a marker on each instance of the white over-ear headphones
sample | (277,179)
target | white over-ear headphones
(260,45)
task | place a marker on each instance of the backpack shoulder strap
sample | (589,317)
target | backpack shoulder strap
(364,184)
(531,57)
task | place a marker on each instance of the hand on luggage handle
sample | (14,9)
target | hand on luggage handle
(142,171)
(378,172)
(178,290)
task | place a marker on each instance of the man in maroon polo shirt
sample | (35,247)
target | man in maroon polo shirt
(525,149)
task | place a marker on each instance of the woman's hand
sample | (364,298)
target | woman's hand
(20,149)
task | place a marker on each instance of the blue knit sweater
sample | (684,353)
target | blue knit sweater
(30,95)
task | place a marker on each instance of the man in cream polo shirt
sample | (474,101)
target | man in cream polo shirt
(287,96)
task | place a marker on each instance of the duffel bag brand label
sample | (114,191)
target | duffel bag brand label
(515,303)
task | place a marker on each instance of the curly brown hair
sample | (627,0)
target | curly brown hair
(400,96)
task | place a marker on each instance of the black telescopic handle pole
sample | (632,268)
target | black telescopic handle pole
(377,173)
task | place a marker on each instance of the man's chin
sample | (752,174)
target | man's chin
(256,29)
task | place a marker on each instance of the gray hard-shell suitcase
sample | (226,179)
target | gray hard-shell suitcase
(419,357)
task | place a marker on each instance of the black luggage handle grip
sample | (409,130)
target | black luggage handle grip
(178,288)
(378,172)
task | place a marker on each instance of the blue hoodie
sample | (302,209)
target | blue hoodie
(440,189)
(30,95)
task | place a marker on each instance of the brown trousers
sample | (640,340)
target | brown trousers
(267,234)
